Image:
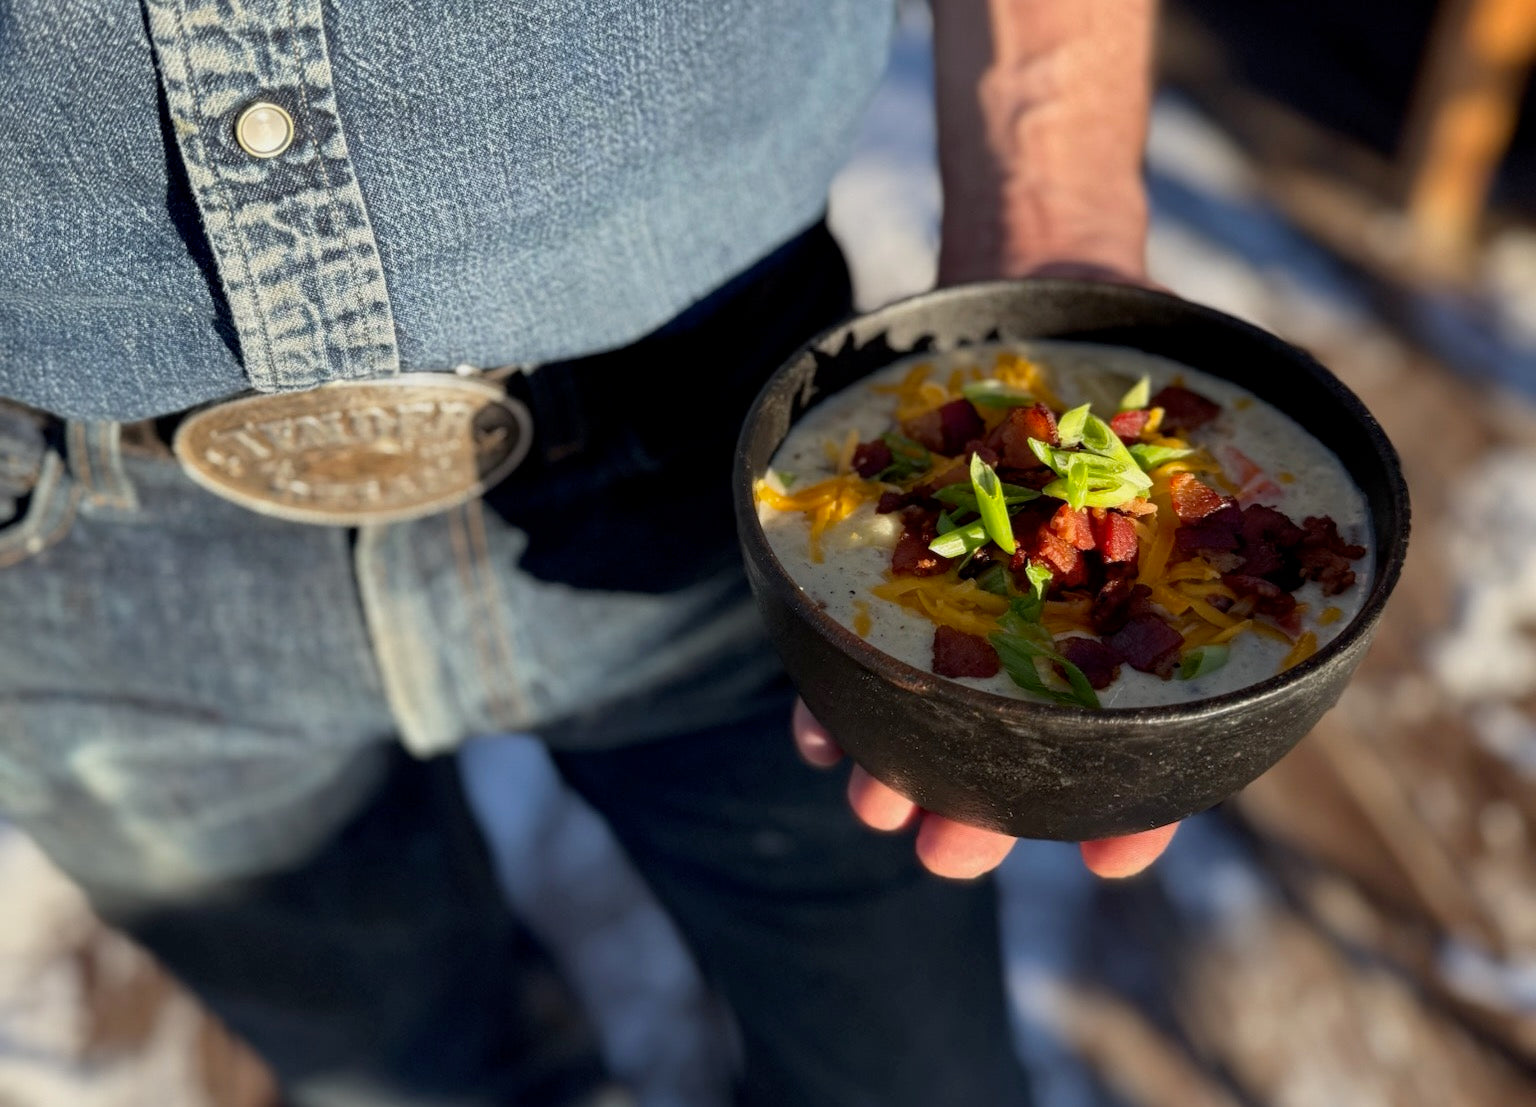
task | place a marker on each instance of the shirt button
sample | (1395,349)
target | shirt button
(264,130)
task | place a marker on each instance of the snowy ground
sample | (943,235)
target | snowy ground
(1213,241)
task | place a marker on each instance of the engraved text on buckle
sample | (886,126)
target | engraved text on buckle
(355,452)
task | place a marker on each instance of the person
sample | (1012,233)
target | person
(226,724)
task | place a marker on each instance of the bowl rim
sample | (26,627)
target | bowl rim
(1390,554)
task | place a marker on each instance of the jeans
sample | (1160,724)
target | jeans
(205,713)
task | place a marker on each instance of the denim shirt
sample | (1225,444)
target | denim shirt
(488,182)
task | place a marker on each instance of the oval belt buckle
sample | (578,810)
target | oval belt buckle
(354,452)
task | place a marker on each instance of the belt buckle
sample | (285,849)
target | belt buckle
(350,453)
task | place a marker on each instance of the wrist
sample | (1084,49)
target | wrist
(1015,232)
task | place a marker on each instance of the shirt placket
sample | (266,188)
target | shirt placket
(249,90)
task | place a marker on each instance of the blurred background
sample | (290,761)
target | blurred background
(1357,928)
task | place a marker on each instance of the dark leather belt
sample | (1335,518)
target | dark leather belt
(367,451)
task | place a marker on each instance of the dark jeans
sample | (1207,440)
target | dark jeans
(202,712)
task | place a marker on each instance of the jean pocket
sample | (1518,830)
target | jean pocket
(33,519)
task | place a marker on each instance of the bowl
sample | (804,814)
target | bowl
(1039,770)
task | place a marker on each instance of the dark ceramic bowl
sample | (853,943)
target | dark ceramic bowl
(1031,769)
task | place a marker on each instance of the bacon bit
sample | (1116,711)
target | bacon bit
(1325,556)
(913,558)
(1129,424)
(1193,499)
(957,654)
(1138,507)
(1304,648)
(870,459)
(1072,527)
(1149,644)
(1115,535)
(1217,532)
(862,623)
(1011,439)
(1098,662)
(1068,569)
(1183,410)
(960,422)
(1269,599)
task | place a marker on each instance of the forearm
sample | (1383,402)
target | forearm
(1042,116)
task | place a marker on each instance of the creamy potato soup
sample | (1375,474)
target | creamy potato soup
(1064,521)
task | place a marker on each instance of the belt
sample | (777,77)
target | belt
(639,400)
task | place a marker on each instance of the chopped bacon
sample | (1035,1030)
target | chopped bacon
(1324,556)
(1114,534)
(947,429)
(1184,410)
(957,654)
(1269,539)
(1193,499)
(1268,598)
(1149,644)
(1067,565)
(1129,424)
(927,429)
(1117,602)
(1072,527)
(870,459)
(1098,661)
(895,501)
(1220,530)
(958,473)
(912,557)
(1011,439)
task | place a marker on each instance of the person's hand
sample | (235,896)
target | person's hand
(953,849)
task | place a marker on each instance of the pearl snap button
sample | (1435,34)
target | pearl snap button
(264,130)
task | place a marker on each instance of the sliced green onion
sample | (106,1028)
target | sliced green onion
(1139,396)
(990,503)
(908,458)
(1203,659)
(786,479)
(994,393)
(964,497)
(1099,437)
(994,579)
(960,541)
(1098,494)
(1069,428)
(1077,484)
(1150,457)
(1019,654)
(1039,578)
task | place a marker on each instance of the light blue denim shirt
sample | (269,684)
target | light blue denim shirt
(484,181)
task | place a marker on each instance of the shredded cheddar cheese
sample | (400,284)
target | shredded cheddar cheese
(961,605)
(862,623)
(1304,648)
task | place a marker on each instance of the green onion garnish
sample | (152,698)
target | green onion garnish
(1150,457)
(994,579)
(1139,396)
(991,505)
(994,393)
(964,497)
(1203,659)
(908,458)
(1069,428)
(960,541)
(1022,642)
(1099,437)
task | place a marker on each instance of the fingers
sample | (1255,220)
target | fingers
(1120,857)
(952,849)
(876,804)
(811,738)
